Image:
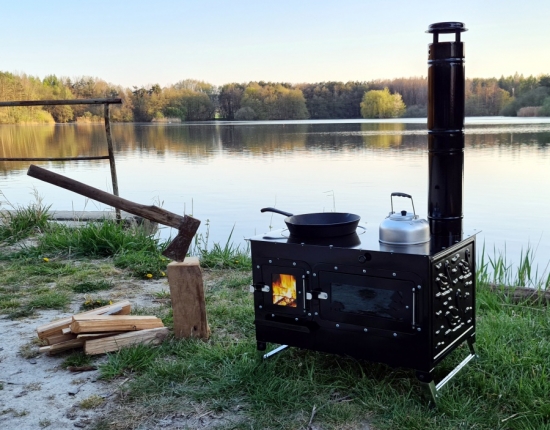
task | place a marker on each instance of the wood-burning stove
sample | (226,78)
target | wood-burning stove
(403,305)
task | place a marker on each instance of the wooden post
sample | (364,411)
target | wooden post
(187,293)
(111,155)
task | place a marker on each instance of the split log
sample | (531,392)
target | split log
(63,346)
(90,336)
(56,327)
(114,343)
(104,323)
(58,338)
(187,295)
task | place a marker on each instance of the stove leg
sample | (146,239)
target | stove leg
(275,351)
(261,346)
(426,378)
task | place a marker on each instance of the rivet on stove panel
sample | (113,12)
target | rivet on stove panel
(294,263)
(394,274)
(303,276)
(270,261)
(337,325)
(395,335)
(419,287)
(418,329)
(307,272)
(335,267)
(316,313)
(406,307)
(309,314)
(364,271)
(315,274)
(330,246)
(295,319)
(365,330)
(413,290)
(260,307)
(272,315)
(258,266)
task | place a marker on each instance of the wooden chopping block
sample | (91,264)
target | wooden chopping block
(187,295)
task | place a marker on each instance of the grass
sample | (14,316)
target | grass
(224,379)
(506,388)
(23,222)
(77,359)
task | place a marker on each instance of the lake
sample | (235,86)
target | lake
(224,173)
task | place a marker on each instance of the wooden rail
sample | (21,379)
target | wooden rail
(106,115)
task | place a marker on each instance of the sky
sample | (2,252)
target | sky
(140,43)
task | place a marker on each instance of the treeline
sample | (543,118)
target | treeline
(193,100)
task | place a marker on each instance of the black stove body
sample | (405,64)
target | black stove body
(403,305)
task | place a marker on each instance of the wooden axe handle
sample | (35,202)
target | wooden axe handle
(152,213)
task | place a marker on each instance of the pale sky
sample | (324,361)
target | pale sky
(164,41)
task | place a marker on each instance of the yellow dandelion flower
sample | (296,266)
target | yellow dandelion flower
(163,274)
(46,259)
(149,276)
(110,302)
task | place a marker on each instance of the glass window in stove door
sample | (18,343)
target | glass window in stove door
(284,290)
(362,300)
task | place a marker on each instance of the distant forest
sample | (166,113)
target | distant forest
(193,100)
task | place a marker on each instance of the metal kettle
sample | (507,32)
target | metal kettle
(403,228)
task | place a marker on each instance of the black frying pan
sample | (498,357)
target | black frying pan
(322,224)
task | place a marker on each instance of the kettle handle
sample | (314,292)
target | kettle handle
(397,194)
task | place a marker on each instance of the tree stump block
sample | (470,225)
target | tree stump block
(187,295)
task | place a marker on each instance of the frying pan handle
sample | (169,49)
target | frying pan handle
(277,211)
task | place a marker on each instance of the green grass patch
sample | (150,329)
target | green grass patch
(50,300)
(96,239)
(77,359)
(23,222)
(136,358)
(228,256)
(143,264)
(91,286)
(91,303)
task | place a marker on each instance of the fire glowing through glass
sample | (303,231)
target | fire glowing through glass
(284,290)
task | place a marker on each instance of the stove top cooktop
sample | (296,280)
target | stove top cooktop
(364,238)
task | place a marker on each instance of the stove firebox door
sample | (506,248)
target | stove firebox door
(368,301)
(284,290)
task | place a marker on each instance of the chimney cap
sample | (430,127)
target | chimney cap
(446,27)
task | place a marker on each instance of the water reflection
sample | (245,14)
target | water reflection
(198,143)
(228,171)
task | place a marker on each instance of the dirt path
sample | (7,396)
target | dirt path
(36,392)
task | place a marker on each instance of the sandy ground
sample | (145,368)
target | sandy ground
(37,392)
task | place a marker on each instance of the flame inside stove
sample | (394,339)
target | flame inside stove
(284,290)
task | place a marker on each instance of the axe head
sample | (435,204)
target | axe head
(177,250)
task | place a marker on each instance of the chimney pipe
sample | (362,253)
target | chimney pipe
(446,93)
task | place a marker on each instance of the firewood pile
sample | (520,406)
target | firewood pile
(101,330)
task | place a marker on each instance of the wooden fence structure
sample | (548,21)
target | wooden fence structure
(110,156)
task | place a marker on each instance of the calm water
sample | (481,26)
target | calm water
(226,172)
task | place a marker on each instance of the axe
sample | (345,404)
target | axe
(187,226)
